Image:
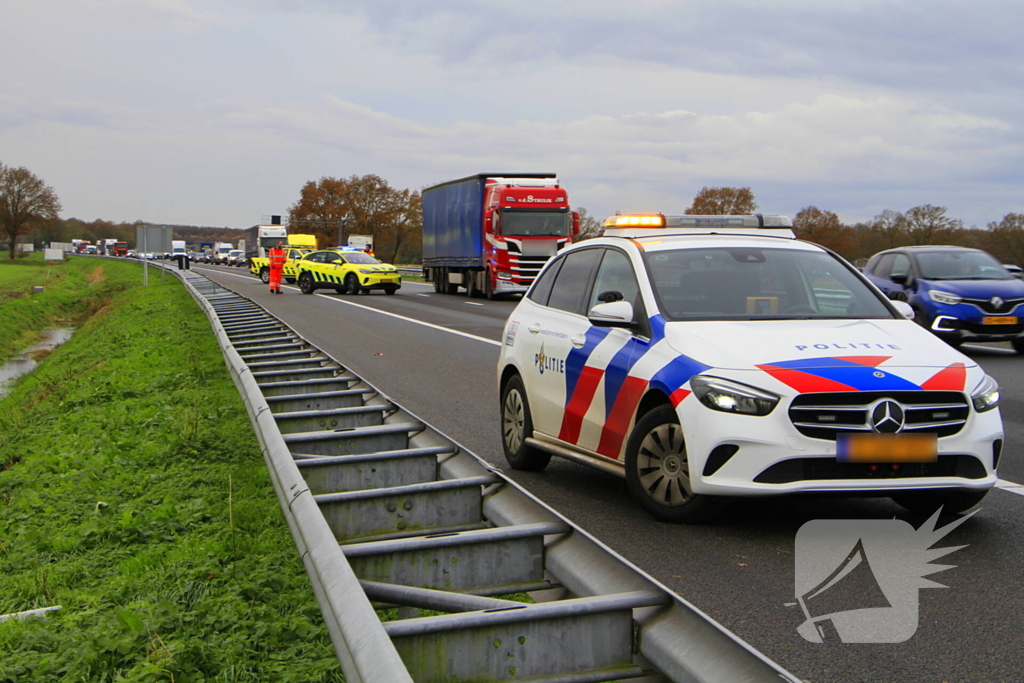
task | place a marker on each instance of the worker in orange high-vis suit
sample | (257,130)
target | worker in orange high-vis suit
(276,255)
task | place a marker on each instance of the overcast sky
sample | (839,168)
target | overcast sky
(216,113)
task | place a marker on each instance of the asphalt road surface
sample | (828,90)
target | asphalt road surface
(436,355)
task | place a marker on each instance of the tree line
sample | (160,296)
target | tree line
(335,208)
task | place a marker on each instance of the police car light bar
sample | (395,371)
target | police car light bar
(653,224)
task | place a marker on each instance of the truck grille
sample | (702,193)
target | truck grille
(824,415)
(526,267)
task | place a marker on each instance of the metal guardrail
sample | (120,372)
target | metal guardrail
(387,512)
(416,271)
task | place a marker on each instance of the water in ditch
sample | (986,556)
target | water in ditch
(28,360)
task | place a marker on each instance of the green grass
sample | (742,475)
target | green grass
(132,493)
(73,289)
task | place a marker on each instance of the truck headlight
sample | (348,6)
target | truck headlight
(986,395)
(944,297)
(732,397)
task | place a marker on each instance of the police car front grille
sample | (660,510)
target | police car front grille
(817,469)
(825,415)
(986,305)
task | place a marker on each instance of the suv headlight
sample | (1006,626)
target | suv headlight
(944,297)
(732,397)
(366,271)
(986,395)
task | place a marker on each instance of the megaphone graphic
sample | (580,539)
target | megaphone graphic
(850,586)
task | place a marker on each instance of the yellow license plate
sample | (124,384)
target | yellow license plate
(874,448)
(1000,320)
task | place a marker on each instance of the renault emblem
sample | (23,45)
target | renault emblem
(996,302)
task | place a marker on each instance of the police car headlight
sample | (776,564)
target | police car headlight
(366,271)
(732,397)
(986,395)
(944,297)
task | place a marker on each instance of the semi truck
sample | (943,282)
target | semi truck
(260,238)
(492,232)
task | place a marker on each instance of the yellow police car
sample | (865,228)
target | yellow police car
(346,271)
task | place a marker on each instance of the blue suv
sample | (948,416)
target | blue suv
(959,294)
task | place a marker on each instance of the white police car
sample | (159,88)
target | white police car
(707,356)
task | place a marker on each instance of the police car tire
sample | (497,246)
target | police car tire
(352,283)
(390,290)
(306,285)
(265,275)
(952,501)
(516,426)
(694,508)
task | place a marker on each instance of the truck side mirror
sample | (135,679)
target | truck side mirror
(575,222)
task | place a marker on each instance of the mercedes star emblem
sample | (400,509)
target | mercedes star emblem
(887,417)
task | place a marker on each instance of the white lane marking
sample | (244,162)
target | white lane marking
(989,348)
(472,303)
(422,295)
(388,313)
(1010,486)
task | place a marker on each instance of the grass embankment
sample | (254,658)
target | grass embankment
(73,290)
(132,493)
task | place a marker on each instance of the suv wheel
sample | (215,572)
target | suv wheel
(306,285)
(352,283)
(952,501)
(658,470)
(265,275)
(517,426)
(1018,344)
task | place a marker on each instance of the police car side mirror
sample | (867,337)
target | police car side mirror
(904,309)
(612,314)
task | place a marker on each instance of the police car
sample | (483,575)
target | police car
(702,357)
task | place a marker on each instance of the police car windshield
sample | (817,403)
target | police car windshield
(534,223)
(742,283)
(960,265)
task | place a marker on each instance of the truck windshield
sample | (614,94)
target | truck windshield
(747,283)
(534,223)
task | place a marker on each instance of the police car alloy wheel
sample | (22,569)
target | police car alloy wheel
(306,285)
(658,471)
(265,275)
(516,426)
(352,282)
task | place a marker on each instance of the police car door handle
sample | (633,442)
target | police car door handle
(578,341)
(534,329)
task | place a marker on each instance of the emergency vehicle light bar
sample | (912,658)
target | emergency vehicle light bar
(662,221)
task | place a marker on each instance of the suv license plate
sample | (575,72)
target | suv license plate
(878,448)
(387,281)
(999,320)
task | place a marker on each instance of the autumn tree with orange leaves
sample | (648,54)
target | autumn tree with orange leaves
(723,201)
(334,208)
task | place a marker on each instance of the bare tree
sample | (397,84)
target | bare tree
(929,224)
(723,201)
(25,201)
(590,227)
